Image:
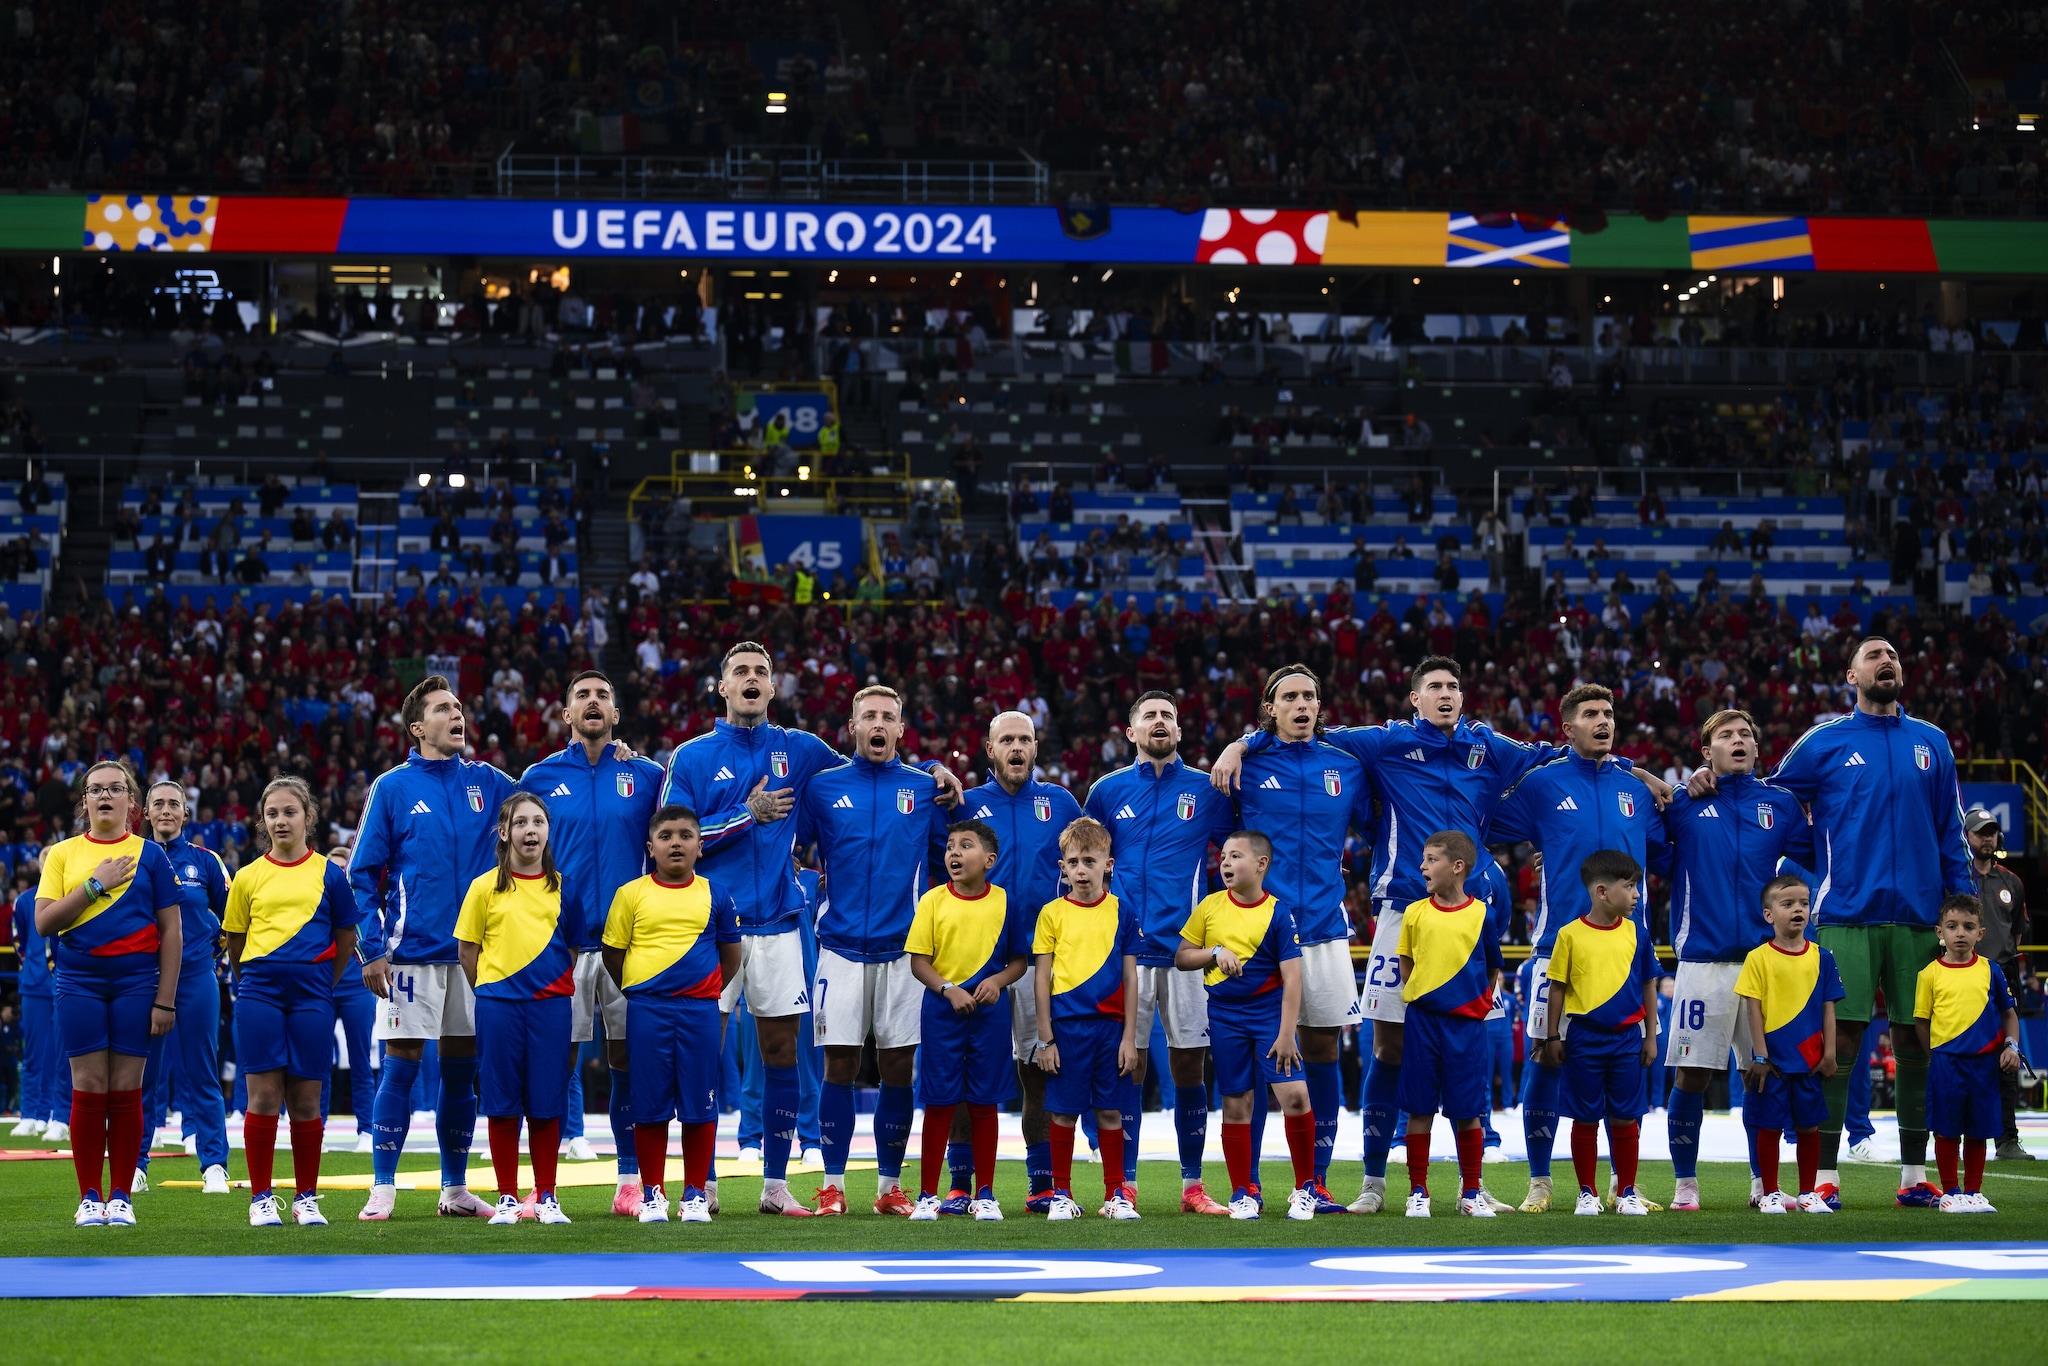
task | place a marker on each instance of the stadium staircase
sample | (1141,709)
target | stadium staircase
(84,551)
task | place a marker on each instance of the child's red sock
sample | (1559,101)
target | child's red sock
(931,1153)
(1237,1155)
(505,1154)
(1301,1146)
(1110,1143)
(1808,1146)
(307,1135)
(981,1135)
(1063,1158)
(1973,1165)
(1768,1142)
(650,1145)
(544,1138)
(124,1138)
(1418,1160)
(259,1146)
(700,1141)
(88,1139)
(1623,1144)
(1585,1153)
(1945,1155)
(1471,1152)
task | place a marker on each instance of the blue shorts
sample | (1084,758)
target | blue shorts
(1604,1077)
(1088,1079)
(1962,1096)
(1239,1040)
(104,1003)
(967,1057)
(1793,1101)
(523,1054)
(1446,1063)
(284,1019)
(672,1049)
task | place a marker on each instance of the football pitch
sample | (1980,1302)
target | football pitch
(1948,1321)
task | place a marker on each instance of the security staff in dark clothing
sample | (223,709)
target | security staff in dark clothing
(2005,929)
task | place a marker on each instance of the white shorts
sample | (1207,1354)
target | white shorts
(850,999)
(1707,1017)
(1181,999)
(1024,1016)
(771,976)
(1380,997)
(596,992)
(428,1001)
(1329,987)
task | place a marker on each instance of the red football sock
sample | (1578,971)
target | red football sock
(650,1145)
(124,1138)
(544,1138)
(1945,1155)
(505,1153)
(700,1141)
(1768,1142)
(1110,1146)
(1471,1152)
(1808,1143)
(1237,1155)
(259,1146)
(1973,1165)
(88,1139)
(1624,1142)
(1063,1157)
(1418,1160)
(931,1160)
(1586,1153)
(307,1135)
(1301,1146)
(981,1132)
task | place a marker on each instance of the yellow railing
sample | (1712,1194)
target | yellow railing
(741,484)
(2032,788)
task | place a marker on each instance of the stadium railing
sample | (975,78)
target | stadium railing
(771,172)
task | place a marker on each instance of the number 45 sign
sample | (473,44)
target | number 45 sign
(824,545)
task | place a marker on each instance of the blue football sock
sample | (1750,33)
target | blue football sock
(1682,1123)
(621,1111)
(1750,1134)
(1038,1166)
(1191,1126)
(892,1130)
(778,1120)
(1133,1118)
(835,1126)
(1259,1110)
(1089,1129)
(960,1163)
(1380,1102)
(391,1117)
(1539,1117)
(1326,1098)
(455,1118)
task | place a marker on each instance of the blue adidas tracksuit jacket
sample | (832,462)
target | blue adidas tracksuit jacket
(429,829)
(1161,825)
(1571,808)
(597,829)
(202,895)
(1722,851)
(879,828)
(1027,827)
(1887,818)
(1305,796)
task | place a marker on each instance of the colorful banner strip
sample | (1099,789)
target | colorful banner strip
(994,236)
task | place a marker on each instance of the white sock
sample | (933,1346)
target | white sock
(885,1184)
(1189,1182)
(1828,1176)
(773,1185)
(837,1178)
(628,1180)
(1376,1183)
(1911,1174)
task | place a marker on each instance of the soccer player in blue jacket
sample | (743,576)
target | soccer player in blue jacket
(1162,816)
(1027,816)
(744,778)
(1724,847)
(1571,808)
(1305,796)
(191,1050)
(429,828)
(599,801)
(878,830)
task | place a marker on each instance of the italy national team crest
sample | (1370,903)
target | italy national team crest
(778,764)
(1185,807)
(906,800)
(625,784)
(476,799)
(1628,804)
(1333,782)
(1475,756)
(1766,816)
(1041,807)
(1923,757)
